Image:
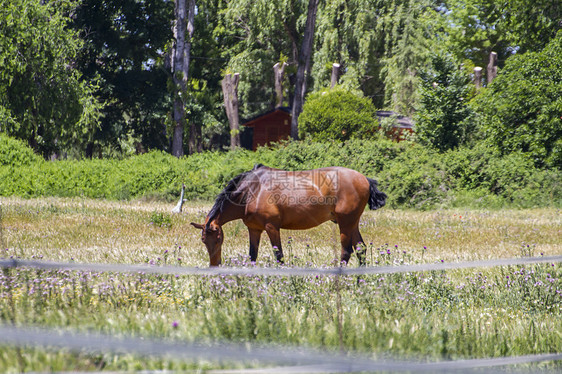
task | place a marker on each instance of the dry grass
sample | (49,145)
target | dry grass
(495,312)
(122,232)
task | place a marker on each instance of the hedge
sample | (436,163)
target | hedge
(413,176)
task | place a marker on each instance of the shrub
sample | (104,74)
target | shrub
(521,110)
(483,173)
(337,114)
(443,117)
(417,178)
(413,176)
(14,152)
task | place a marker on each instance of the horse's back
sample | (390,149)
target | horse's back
(305,199)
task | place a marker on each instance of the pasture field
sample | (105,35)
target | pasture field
(456,314)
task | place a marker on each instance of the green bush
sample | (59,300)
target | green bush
(14,152)
(413,176)
(521,110)
(417,178)
(443,117)
(337,114)
(491,179)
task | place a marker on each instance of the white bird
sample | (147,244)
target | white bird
(178,207)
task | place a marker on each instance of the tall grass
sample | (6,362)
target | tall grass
(469,313)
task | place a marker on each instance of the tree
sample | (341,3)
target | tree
(532,24)
(262,33)
(407,25)
(521,110)
(471,29)
(349,33)
(380,44)
(181,57)
(125,45)
(303,67)
(43,97)
(443,117)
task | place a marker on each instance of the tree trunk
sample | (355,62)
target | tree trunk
(183,32)
(230,92)
(303,69)
(335,74)
(279,72)
(477,77)
(492,67)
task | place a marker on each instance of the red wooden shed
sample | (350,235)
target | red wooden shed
(269,127)
(402,127)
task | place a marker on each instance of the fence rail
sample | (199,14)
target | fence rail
(277,271)
(293,359)
(308,360)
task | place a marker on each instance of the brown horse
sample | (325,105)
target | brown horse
(271,199)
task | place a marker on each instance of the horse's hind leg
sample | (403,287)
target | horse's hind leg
(275,237)
(361,251)
(346,245)
(350,237)
(255,236)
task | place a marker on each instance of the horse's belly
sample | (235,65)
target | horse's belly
(302,220)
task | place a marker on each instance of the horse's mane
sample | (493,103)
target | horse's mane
(230,193)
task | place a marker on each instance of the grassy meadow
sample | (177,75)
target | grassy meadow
(459,314)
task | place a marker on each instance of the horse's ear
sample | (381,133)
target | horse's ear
(197,225)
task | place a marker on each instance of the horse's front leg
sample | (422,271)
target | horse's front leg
(275,237)
(255,236)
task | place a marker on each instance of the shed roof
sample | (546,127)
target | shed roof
(402,121)
(252,121)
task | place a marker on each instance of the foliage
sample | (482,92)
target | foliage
(413,176)
(416,178)
(349,33)
(409,39)
(43,97)
(471,29)
(443,118)
(123,46)
(15,152)
(160,219)
(533,24)
(105,64)
(337,114)
(520,110)
(489,179)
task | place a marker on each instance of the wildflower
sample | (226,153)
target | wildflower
(175,324)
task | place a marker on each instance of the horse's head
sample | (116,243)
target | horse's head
(212,236)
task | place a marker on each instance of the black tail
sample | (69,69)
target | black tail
(377,199)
